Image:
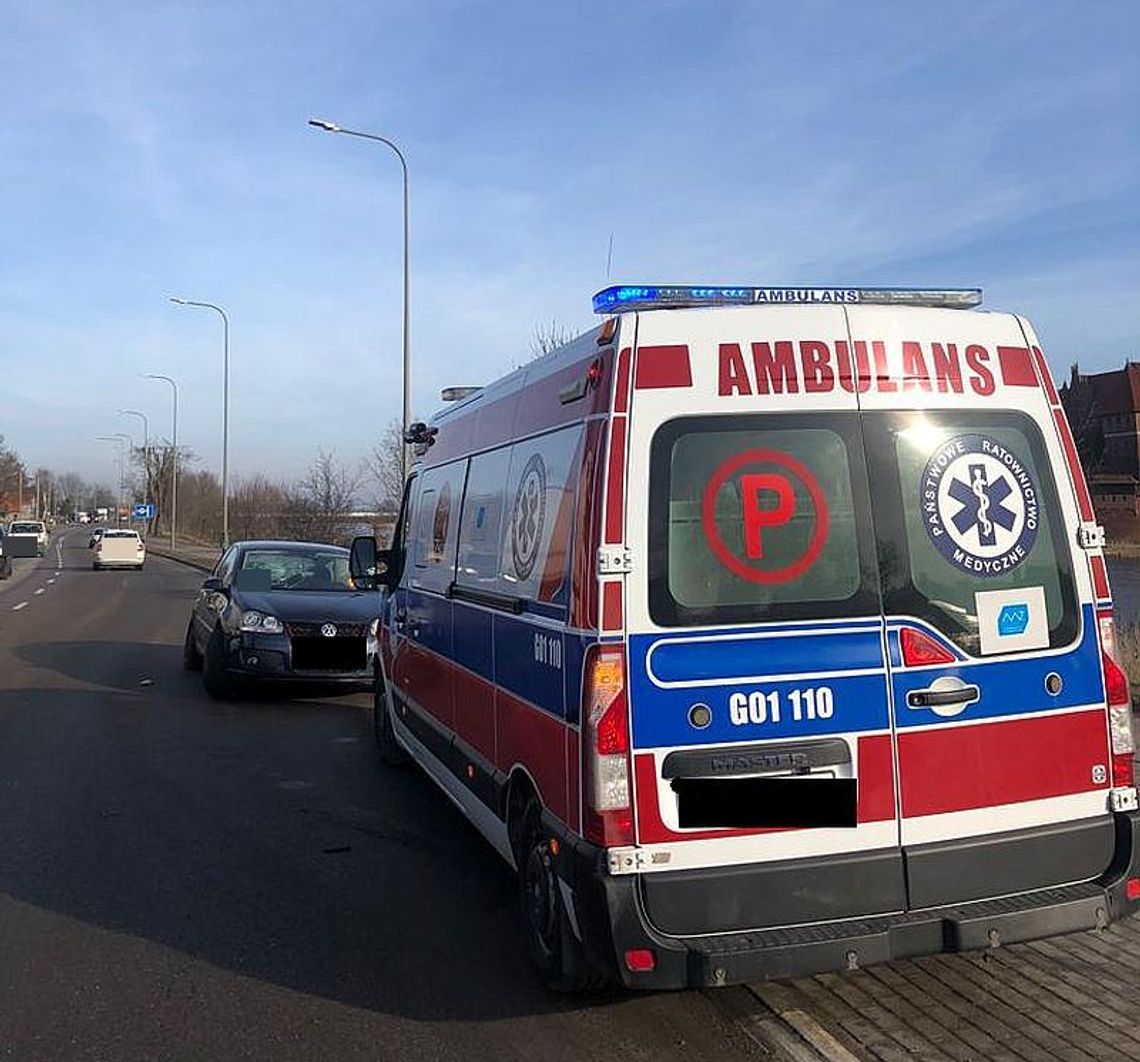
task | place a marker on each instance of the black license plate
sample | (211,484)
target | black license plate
(329,654)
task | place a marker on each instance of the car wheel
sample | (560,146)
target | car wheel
(218,684)
(191,656)
(556,952)
(389,749)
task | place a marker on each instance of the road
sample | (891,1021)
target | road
(182,879)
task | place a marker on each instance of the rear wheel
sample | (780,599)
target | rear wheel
(218,684)
(387,746)
(556,952)
(191,656)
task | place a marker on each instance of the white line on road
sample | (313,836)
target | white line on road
(22,604)
(50,581)
(39,591)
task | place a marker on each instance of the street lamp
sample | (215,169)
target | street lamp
(146,445)
(225,411)
(332,127)
(173,456)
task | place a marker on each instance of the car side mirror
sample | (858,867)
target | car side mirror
(213,585)
(368,565)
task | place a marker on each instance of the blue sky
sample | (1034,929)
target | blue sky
(161,148)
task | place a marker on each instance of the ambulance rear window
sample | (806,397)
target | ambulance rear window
(969,526)
(758,518)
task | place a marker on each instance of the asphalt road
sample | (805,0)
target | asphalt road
(181,879)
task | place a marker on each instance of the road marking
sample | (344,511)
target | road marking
(22,604)
(50,581)
(39,591)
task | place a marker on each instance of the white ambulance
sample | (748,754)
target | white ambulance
(767,631)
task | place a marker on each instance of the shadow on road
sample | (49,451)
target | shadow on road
(264,839)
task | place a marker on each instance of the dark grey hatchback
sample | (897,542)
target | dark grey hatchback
(282,612)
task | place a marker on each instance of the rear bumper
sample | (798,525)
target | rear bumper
(610,912)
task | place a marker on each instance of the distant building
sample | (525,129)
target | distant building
(1104,412)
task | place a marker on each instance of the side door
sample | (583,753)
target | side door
(426,672)
(997,692)
(758,696)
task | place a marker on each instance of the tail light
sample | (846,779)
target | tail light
(605,750)
(1119,698)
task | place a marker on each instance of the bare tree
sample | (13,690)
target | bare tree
(318,506)
(549,337)
(258,508)
(384,464)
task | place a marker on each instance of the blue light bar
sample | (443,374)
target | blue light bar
(626,298)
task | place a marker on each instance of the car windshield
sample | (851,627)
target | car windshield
(267,569)
(24,529)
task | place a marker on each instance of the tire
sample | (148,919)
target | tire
(558,955)
(218,684)
(191,657)
(387,747)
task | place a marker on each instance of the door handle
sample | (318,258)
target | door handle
(939,698)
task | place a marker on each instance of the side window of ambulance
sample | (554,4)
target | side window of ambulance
(539,513)
(759,518)
(436,527)
(972,539)
(480,530)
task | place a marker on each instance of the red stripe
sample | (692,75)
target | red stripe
(662,366)
(1100,578)
(573,779)
(537,740)
(621,382)
(475,721)
(615,486)
(1046,376)
(1016,367)
(956,768)
(1074,463)
(611,607)
(875,769)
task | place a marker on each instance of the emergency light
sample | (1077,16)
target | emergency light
(625,298)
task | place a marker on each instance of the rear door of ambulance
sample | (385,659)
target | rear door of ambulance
(762,747)
(997,691)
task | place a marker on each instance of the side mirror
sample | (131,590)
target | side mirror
(368,565)
(213,585)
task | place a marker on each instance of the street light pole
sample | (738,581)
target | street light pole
(118,437)
(332,127)
(146,447)
(225,411)
(173,457)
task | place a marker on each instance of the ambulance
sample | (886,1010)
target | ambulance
(766,631)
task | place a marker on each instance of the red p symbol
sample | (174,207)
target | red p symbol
(752,487)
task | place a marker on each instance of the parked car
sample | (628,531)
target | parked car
(5,560)
(119,548)
(282,612)
(31,529)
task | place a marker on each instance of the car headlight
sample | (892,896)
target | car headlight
(374,628)
(259,621)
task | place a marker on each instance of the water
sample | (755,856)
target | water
(1124,577)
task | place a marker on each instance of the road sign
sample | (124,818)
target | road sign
(143,511)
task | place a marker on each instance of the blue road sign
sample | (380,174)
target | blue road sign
(143,511)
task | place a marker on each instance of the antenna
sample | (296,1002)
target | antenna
(610,255)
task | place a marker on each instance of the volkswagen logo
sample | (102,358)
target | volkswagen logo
(328,631)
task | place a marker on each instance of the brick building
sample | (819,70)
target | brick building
(1104,412)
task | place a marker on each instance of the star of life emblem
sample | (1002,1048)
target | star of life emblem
(979,505)
(528,517)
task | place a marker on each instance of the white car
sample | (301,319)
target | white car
(119,548)
(36,529)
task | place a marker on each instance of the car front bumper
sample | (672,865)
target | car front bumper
(256,656)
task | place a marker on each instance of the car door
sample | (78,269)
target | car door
(996,686)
